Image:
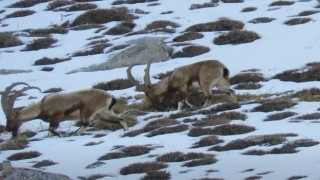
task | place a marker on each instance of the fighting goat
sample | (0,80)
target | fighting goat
(182,80)
(84,105)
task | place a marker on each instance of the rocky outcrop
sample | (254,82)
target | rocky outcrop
(141,51)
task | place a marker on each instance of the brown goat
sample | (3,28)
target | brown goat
(204,75)
(84,105)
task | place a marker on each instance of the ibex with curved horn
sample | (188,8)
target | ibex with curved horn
(204,75)
(85,105)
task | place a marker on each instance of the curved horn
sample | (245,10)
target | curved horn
(146,77)
(131,78)
(8,99)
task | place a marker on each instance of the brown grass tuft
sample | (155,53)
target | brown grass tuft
(297,21)
(246,78)
(116,84)
(21,13)
(125,152)
(162,26)
(47,31)
(282,3)
(159,175)
(229,129)
(188,36)
(280,116)
(42,43)
(220,25)
(120,29)
(79,7)
(311,116)
(101,16)
(311,72)
(56,4)
(49,61)
(137,168)
(44,163)
(308,13)
(24,155)
(9,40)
(275,105)
(168,130)
(261,20)
(236,37)
(248,9)
(27,3)
(312,94)
(191,51)
(207,141)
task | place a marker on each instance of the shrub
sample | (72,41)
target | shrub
(281,3)
(261,20)
(24,155)
(9,40)
(101,16)
(236,37)
(42,43)
(21,13)
(27,3)
(188,36)
(220,25)
(49,61)
(137,168)
(191,51)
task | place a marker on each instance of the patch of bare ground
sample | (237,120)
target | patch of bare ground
(93,143)
(159,175)
(249,9)
(297,21)
(195,159)
(297,177)
(288,148)
(44,163)
(236,37)
(259,20)
(138,168)
(116,84)
(224,130)
(207,141)
(311,72)
(280,116)
(129,151)
(232,1)
(220,25)
(278,104)
(310,95)
(266,140)
(24,155)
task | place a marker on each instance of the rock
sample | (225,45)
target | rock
(141,51)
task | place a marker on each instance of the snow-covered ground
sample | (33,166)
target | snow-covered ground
(280,48)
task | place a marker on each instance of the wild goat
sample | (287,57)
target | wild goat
(85,105)
(204,75)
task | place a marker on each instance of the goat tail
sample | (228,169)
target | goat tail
(111,102)
(226,73)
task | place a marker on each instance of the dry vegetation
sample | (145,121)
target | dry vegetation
(42,43)
(220,25)
(236,37)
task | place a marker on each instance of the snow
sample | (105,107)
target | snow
(280,48)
